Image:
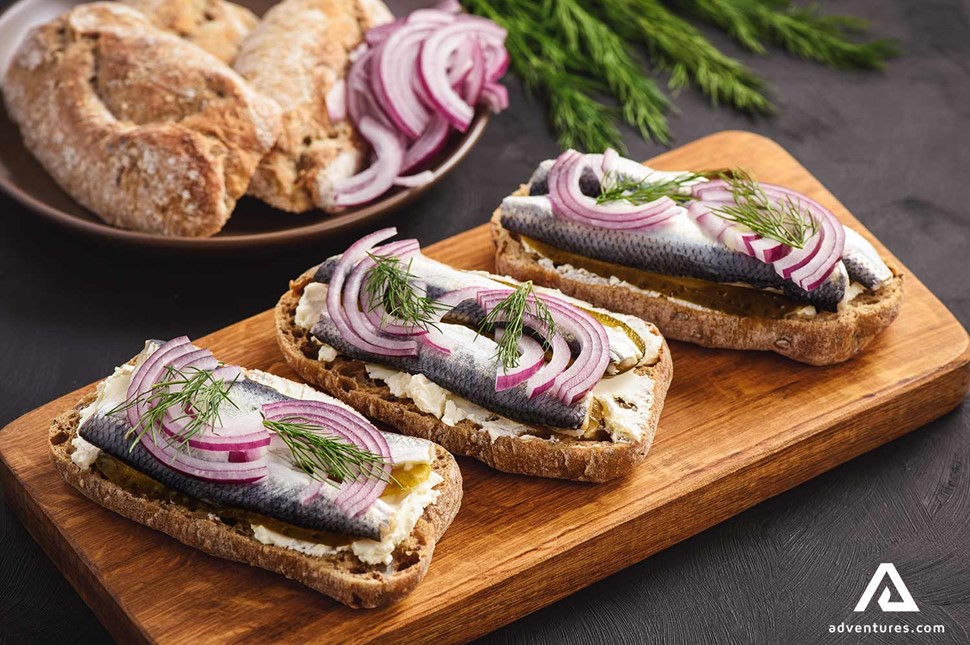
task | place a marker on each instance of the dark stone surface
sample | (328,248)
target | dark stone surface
(893,147)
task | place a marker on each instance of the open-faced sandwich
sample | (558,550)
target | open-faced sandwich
(255,468)
(716,258)
(525,379)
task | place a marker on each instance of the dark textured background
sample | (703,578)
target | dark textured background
(893,147)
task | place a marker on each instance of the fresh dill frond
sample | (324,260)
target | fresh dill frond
(680,49)
(614,188)
(785,222)
(192,394)
(390,286)
(318,452)
(510,312)
(584,59)
(803,31)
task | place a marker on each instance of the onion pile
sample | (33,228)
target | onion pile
(569,202)
(568,384)
(410,82)
(358,494)
(359,321)
(808,267)
(235,454)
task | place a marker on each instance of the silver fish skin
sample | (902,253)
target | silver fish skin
(863,263)
(469,371)
(279,495)
(678,248)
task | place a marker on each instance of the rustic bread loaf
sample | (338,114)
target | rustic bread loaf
(295,55)
(822,339)
(561,457)
(143,128)
(216,26)
(339,575)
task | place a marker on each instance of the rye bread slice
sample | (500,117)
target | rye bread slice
(562,457)
(341,575)
(823,339)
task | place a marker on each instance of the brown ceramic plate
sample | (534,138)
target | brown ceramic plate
(253,223)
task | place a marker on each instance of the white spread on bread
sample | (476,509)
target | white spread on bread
(404,512)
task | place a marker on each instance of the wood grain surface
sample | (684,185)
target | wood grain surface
(737,428)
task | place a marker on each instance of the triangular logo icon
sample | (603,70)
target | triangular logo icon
(905,603)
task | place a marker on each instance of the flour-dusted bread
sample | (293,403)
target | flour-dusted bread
(339,575)
(822,339)
(143,128)
(295,55)
(216,26)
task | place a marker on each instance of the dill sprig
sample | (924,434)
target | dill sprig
(680,49)
(317,452)
(803,31)
(785,222)
(193,394)
(389,285)
(616,188)
(510,312)
(584,57)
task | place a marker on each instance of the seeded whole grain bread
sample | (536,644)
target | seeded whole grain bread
(823,339)
(216,26)
(296,54)
(341,575)
(145,129)
(562,458)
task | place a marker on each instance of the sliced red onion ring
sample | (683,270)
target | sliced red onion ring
(363,336)
(546,377)
(569,202)
(389,155)
(390,77)
(433,62)
(226,472)
(474,81)
(148,373)
(430,143)
(359,494)
(495,96)
(807,267)
(594,354)
(531,359)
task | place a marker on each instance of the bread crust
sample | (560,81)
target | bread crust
(564,458)
(216,26)
(143,128)
(296,54)
(340,576)
(823,339)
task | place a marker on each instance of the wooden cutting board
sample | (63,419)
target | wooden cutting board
(737,428)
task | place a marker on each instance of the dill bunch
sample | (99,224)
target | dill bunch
(585,58)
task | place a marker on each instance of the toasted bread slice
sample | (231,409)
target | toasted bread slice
(339,575)
(558,456)
(822,339)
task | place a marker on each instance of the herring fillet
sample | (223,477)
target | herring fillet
(678,249)
(279,495)
(469,371)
